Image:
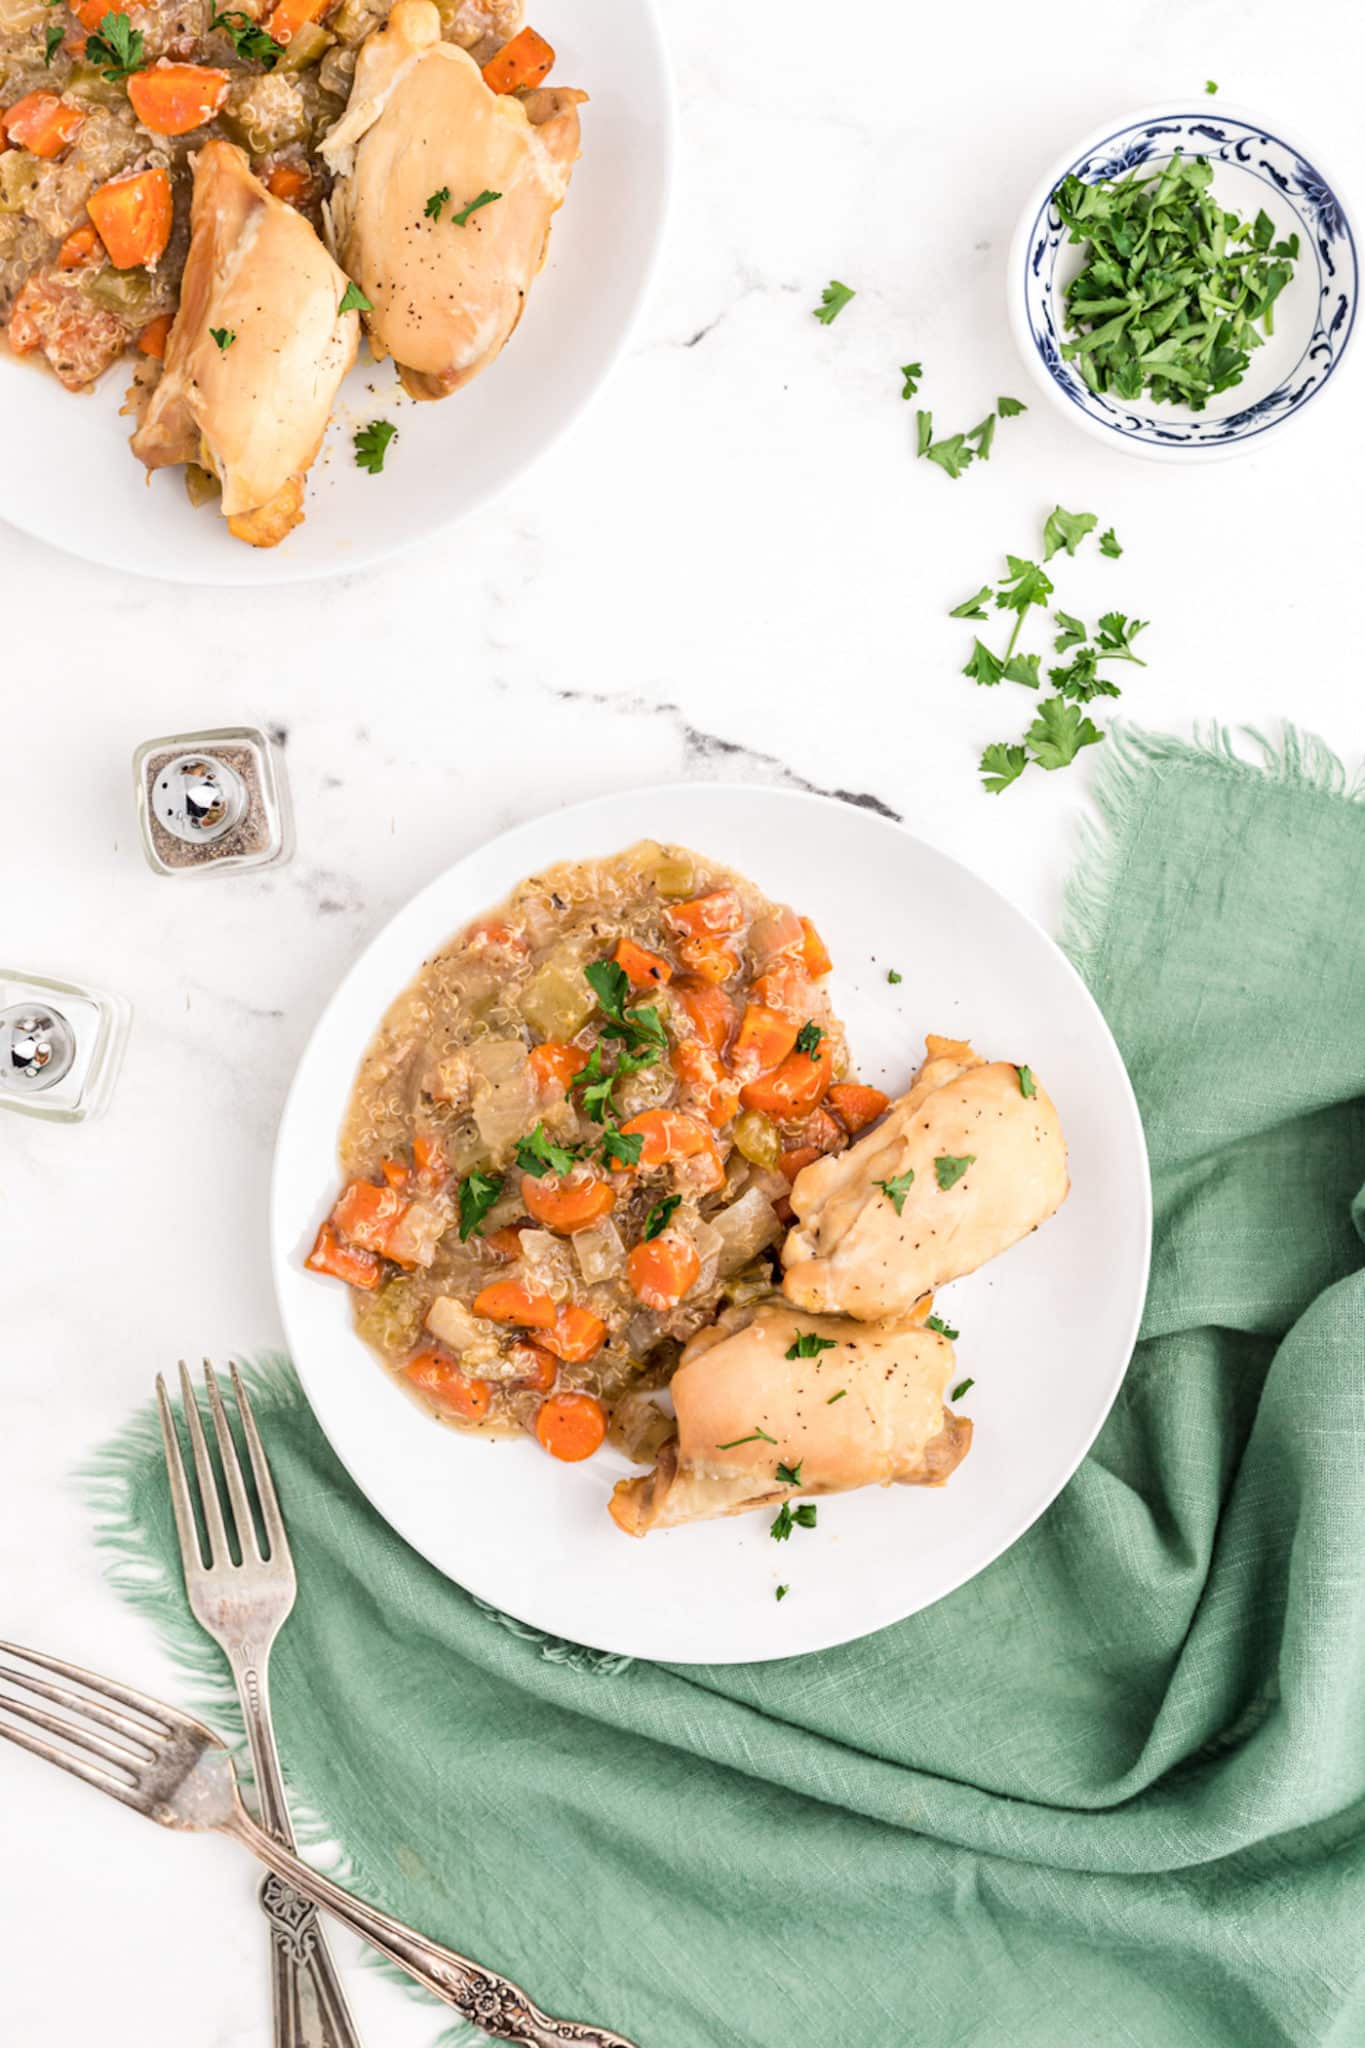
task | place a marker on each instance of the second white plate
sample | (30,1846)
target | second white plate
(1046,1331)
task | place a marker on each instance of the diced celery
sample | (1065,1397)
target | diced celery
(758,1138)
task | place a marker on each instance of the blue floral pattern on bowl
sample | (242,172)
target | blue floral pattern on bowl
(1326,244)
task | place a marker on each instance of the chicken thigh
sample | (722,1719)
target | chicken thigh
(867,1410)
(257,351)
(422,140)
(965,1164)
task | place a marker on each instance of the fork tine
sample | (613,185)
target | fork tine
(71,1731)
(261,1473)
(77,1765)
(209,1506)
(165,1718)
(192,1557)
(94,1710)
(232,1470)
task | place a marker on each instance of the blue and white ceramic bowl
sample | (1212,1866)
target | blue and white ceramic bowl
(1314,316)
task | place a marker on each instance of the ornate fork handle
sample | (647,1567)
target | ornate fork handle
(492,2002)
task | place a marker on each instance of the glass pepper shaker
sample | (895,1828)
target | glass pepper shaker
(60,1047)
(212,801)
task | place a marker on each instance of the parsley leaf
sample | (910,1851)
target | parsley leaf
(808,1039)
(912,372)
(892,976)
(1009,408)
(539,1155)
(117,48)
(657,1219)
(1026,584)
(782,1592)
(1066,530)
(1073,632)
(924,432)
(972,607)
(1023,668)
(432,209)
(461,219)
(1059,732)
(808,1345)
(1001,765)
(224,337)
(1109,544)
(249,39)
(949,1170)
(621,1148)
(1116,636)
(1027,1085)
(788,1518)
(836,1397)
(789,1475)
(983,436)
(1081,679)
(353,300)
(833,299)
(610,984)
(962,1387)
(897,1189)
(1210,85)
(372,442)
(478,1193)
(952,455)
(755,1436)
(53,39)
(983,666)
(944,1329)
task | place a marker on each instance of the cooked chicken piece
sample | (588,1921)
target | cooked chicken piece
(251,406)
(975,1163)
(421,127)
(736,1380)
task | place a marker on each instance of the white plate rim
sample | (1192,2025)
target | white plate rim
(284,1224)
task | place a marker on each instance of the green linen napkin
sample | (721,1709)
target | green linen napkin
(1111,1792)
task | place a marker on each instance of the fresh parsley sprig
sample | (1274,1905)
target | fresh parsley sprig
(461,219)
(248,38)
(478,1193)
(808,1345)
(372,442)
(117,47)
(897,1189)
(833,299)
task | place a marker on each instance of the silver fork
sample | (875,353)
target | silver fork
(243,1606)
(176,1772)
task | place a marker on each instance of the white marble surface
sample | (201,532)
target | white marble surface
(731,568)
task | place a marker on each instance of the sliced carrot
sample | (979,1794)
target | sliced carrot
(42,122)
(288,182)
(765,1038)
(715,1093)
(823,1131)
(553,1065)
(154,336)
(429,1161)
(857,1106)
(663,1268)
(526,61)
(394,1172)
(80,247)
(800,1156)
(571,1426)
(567,1204)
(173,99)
(346,1262)
(577,1334)
(445,1383)
(672,1137)
(718,911)
(506,1243)
(711,1011)
(290,16)
(797,1085)
(484,938)
(369,1215)
(814,952)
(535,1367)
(503,1301)
(133,216)
(785,987)
(90,13)
(643,968)
(712,959)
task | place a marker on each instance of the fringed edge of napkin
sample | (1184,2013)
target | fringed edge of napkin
(1297,760)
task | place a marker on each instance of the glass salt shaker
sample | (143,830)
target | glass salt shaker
(60,1047)
(212,801)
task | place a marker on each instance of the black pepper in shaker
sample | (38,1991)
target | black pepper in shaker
(211,801)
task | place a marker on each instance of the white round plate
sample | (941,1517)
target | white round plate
(1046,1330)
(449,457)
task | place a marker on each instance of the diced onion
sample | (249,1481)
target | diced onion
(747,1227)
(600,1252)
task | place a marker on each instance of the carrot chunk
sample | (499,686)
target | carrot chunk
(290,16)
(445,1382)
(173,99)
(814,952)
(672,1137)
(719,911)
(133,217)
(80,247)
(765,1038)
(42,122)
(288,182)
(503,1301)
(506,1243)
(711,1011)
(577,1334)
(571,1426)
(785,987)
(553,1065)
(643,968)
(792,1162)
(714,1092)
(536,1367)
(525,61)
(710,959)
(429,1162)
(369,1215)
(154,336)
(567,1204)
(792,1088)
(348,1262)
(662,1269)
(857,1106)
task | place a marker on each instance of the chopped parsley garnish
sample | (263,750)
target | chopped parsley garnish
(789,1518)
(372,445)
(836,1397)
(808,1345)
(789,1475)
(911,372)
(461,219)
(620,1148)
(640,1027)
(224,337)
(892,976)
(951,454)
(478,1193)
(353,300)
(53,39)
(1210,85)
(948,1170)
(539,1155)
(833,299)
(1000,766)
(944,1329)
(962,1387)
(658,1217)
(973,607)
(1066,530)
(808,1039)
(1109,544)
(594,1085)
(924,432)
(432,209)
(956,452)
(249,39)
(1175,291)
(117,48)
(1059,732)
(1010,408)
(896,1190)
(1073,632)
(782,1592)
(755,1436)
(1027,1084)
